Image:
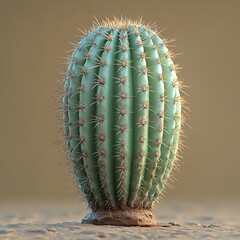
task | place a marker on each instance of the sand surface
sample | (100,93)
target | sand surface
(182,220)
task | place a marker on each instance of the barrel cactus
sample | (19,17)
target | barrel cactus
(122,119)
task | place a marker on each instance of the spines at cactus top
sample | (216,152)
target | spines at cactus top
(122,115)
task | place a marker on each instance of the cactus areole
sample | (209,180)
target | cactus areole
(122,120)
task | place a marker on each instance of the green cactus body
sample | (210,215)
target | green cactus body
(122,115)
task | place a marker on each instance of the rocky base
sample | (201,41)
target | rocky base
(128,217)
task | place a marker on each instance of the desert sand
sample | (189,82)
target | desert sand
(177,220)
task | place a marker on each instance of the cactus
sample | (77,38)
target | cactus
(122,120)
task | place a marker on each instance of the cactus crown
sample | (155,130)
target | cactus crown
(121,23)
(122,114)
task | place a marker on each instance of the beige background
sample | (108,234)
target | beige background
(34,38)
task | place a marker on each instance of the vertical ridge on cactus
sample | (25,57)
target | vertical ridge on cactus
(122,120)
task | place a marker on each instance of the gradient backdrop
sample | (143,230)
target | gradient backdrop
(35,35)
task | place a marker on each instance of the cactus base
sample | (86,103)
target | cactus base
(128,217)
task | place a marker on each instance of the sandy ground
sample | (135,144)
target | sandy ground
(182,220)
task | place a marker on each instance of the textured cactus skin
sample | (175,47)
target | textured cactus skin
(122,116)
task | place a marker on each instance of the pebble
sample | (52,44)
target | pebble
(5,231)
(42,231)
(175,224)
(17,225)
(214,226)
(101,235)
(194,224)
(74,228)
(51,229)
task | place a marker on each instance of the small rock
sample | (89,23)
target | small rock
(17,225)
(5,231)
(51,229)
(101,235)
(214,226)
(74,228)
(175,224)
(164,225)
(37,231)
(194,224)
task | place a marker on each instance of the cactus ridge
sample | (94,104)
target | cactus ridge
(122,115)
(72,107)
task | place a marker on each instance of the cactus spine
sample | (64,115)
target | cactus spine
(122,116)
